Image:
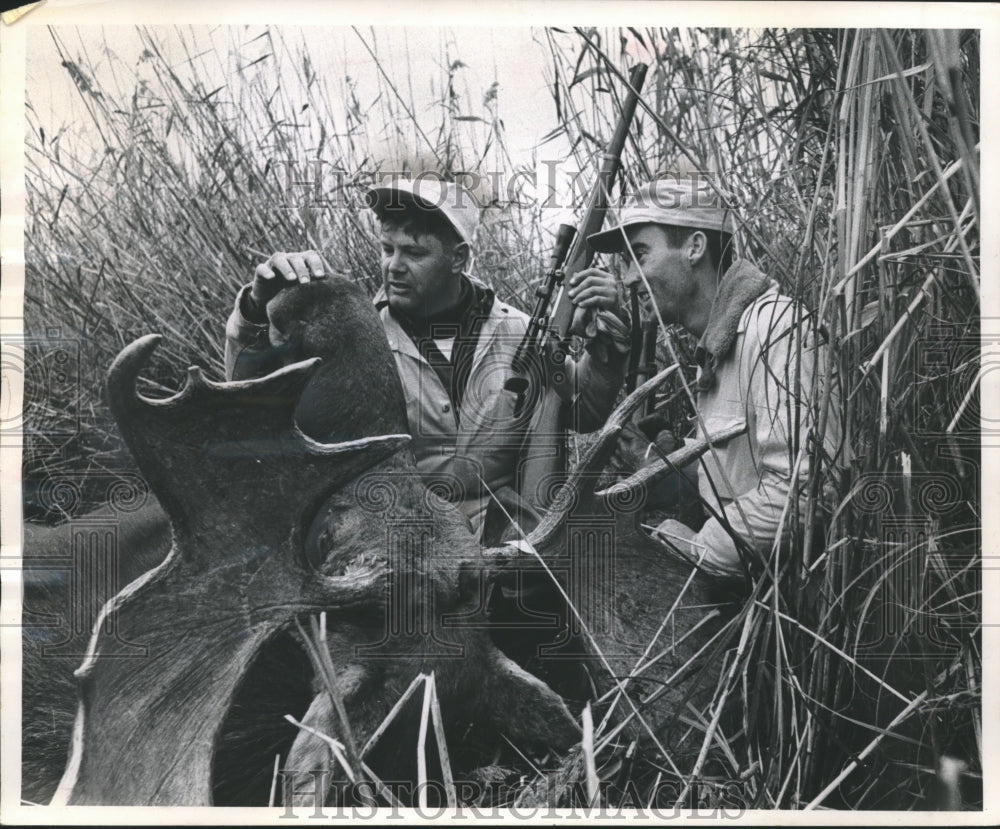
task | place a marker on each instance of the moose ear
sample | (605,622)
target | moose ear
(527,709)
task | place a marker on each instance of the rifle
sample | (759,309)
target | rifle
(543,468)
(526,356)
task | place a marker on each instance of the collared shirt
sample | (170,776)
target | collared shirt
(467,454)
(447,340)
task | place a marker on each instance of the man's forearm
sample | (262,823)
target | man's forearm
(248,351)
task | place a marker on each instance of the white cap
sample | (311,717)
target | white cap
(455,203)
(668,201)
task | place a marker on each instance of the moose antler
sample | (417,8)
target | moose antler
(637,610)
(580,486)
(241,485)
(266,527)
(650,474)
(236,575)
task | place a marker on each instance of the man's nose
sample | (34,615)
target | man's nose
(394,263)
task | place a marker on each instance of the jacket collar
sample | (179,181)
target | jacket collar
(739,288)
(400,342)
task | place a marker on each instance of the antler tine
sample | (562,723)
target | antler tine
(584,477)
(595,457)
(631,404)
(649,475)
(125,370)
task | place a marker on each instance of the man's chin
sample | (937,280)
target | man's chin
(403,305)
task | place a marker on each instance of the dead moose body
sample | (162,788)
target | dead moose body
(270,525)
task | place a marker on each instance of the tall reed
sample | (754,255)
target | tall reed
(852,159)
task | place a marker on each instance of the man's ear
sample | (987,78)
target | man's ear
(697,247)
(460,258)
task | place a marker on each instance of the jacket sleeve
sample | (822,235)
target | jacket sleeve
(592,380)
(249,353)
(777,387)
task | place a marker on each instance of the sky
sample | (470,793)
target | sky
(513,62)
(412,57)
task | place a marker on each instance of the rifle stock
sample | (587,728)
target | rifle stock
(544,456)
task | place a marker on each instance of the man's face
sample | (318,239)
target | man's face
(671,281)
(422,275)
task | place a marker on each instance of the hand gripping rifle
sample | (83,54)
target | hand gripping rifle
(543,464)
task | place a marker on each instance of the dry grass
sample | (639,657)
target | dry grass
(852,158)
(844,152)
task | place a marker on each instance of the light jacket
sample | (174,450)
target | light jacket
(767,383)
(456,456)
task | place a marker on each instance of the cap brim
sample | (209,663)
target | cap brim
(615,240)
(608,241)
(395,196)
(386,199)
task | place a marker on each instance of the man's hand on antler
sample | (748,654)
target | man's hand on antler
(635,449)
(283,270)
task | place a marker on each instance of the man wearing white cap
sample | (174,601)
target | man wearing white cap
(453,341)
(756,355)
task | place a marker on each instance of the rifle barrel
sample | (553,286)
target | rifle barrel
(581,255)
(544,450)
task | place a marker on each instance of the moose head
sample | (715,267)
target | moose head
(270,525)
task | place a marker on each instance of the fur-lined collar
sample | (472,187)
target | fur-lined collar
(739,287)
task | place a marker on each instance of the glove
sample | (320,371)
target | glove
(636,451)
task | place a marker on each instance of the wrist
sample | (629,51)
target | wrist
(613,329)
(251,309)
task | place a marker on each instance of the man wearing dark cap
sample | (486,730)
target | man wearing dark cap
(756,355)
(453,341)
